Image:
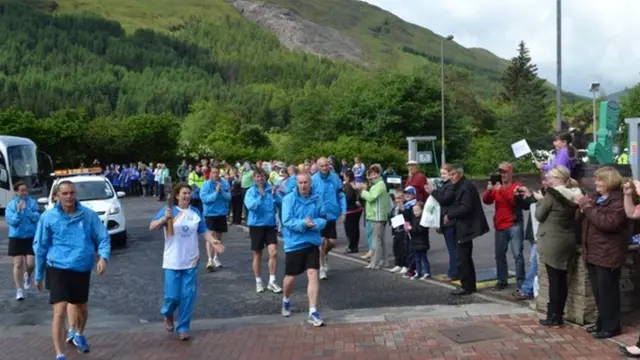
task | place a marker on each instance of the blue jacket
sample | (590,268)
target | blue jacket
(23,224)
(291,184)
(330,189)
(262,209)
(214,203)
(68,241)
(295,209)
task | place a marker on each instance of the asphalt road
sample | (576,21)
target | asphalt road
(131,290)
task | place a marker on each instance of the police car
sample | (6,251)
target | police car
(96,193)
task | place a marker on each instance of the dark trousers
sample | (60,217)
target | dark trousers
(409,254)
(244,193)
(605,285)
(449,233)
(466,268)
(558,291)
(236,208)
(352,229)
(162,196)
(398,249)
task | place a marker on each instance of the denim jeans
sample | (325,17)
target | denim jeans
(532,272)
(422,262)
(513,238)
(369,232)
(449,233)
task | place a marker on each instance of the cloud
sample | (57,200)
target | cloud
(598,37)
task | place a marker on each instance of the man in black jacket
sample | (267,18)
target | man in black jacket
(467,215)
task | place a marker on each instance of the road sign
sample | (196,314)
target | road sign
(424,157)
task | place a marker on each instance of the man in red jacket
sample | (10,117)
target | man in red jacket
(508,223)
(417,180)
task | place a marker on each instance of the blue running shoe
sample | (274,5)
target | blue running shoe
(61,357)
(286,308)
(81,343)
(70,335)
(315,320)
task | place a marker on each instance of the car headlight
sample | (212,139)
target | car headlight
(114,210)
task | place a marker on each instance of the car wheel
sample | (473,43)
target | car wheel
(119,240)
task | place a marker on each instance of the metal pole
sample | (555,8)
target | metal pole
(559,65)
(595,130)
(442,156)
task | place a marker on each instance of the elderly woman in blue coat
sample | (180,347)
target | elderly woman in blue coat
(181,257)
(22,214)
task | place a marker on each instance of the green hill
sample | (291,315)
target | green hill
(117,79)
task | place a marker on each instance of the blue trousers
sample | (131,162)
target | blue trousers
(513,238)
(180,291)
(449,233)
(369,230)
(422,262)
(527,285)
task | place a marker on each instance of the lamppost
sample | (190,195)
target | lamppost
(449,38)
(559,65)
(595,88)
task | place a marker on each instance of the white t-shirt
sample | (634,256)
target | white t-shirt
(156,174)
(181,250)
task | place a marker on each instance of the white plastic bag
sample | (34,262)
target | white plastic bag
(431,214)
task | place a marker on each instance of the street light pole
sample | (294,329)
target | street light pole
(595,87)
(559,65)
(442,154)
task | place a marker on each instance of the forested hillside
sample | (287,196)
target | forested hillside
(83,87)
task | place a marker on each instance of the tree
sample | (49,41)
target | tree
(521,80)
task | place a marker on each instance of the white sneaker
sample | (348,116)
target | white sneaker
(323,274)
(19,295)
(286,309)
(404,270)
(216,262)
(273,287)
(259,287)
(425,277)
(395,269)
(27,281)
(414,277)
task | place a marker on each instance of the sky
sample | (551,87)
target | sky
(600,38)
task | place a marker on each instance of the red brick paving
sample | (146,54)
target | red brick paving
(419,339)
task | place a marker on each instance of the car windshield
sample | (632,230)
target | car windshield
(23,165)
(93,190)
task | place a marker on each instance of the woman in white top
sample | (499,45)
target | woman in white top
(181,257)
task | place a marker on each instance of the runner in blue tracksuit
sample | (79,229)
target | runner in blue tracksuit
(215,195)
(66,241)
(303,219)
(327,184)
(261,201)
(22,214)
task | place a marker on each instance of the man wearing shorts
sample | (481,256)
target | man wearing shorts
(65,241)
(261,200)
(327,185)
(303,220)
(22,216)
(215,195)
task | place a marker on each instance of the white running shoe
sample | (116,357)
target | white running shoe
(27,281)
(210,266)
(323,274)
(414,277)
(395,269)
(259,287)
(425,277)
(216,262)
(273,287)
(404,270)
(19,295)
(286,308)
